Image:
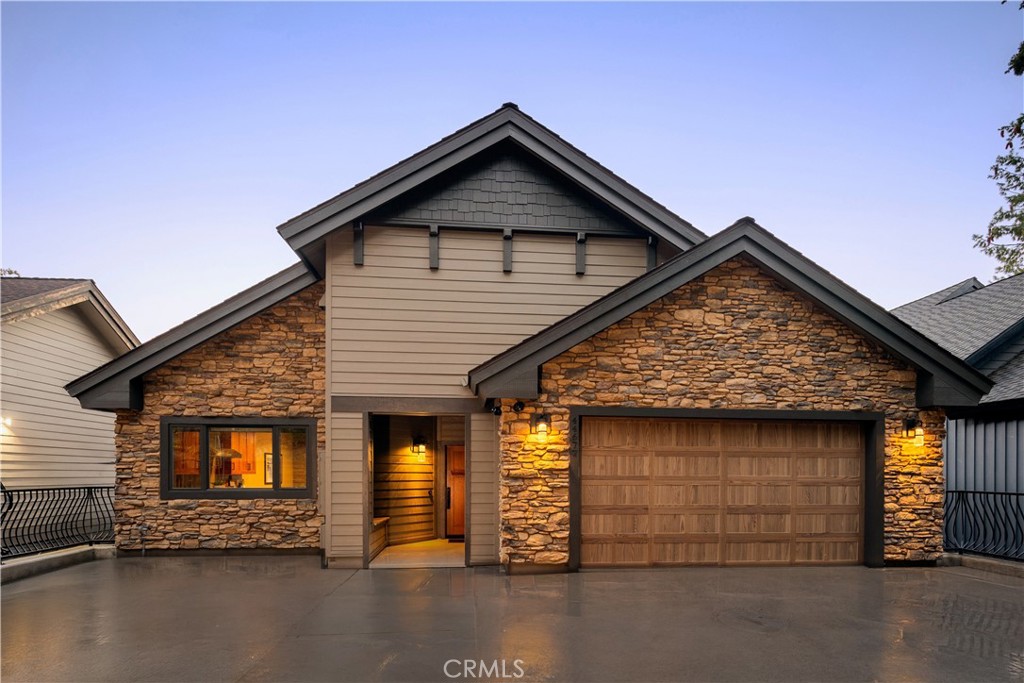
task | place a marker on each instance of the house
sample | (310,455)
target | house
(498,340)
(55,330)
(984,447)
(56,457)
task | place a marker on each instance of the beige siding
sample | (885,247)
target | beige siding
(398,328)
(344,498)
(52,441)
(483,500)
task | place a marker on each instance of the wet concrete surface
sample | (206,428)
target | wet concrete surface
(285,619)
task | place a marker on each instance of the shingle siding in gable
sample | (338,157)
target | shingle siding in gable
(505,190)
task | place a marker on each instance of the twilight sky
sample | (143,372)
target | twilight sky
(155,147)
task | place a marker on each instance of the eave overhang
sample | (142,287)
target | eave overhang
(306,233)
(89,300)
(117,385)
(943,379)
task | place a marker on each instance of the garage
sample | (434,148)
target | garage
(669,492)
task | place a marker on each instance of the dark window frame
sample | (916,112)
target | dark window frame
(203,424)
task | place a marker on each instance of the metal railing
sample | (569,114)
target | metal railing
(41,519)
(986,523)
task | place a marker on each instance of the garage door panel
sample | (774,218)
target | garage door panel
(844,495)
(685,523)
(760,466)
(843,436)
(616,493)
(757,522)
(615,523)
(832,466)
(687,553)
(685,493)
(602,463)
(828,552)
(686,465)
(616,553)
(759,552)
(694,434)
(757,493)
(725,492)
(809,435)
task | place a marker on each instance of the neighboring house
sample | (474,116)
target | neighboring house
(54,330)
(984,447)
(500,325)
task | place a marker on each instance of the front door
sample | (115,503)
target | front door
(455,493)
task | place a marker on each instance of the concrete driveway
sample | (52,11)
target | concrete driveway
(285,619)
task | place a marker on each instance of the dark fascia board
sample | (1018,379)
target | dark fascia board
(115,386)
(506,123)
(996,411)
(96,308)
(951,380)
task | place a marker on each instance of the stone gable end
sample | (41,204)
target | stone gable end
(271,365)
(734,338)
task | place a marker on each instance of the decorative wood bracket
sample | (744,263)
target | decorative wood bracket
(652,252)
(506,250)
(581,253)
(435,247)
(357,243)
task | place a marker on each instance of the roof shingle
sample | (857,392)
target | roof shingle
(16,288)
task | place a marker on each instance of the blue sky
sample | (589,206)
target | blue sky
(155,147)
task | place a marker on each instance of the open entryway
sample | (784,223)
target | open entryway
(418,469)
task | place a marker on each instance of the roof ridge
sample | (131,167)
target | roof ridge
(930,294)
(22,277)
(365,181)
(962,289)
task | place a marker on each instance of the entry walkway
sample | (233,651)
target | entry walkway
(285,619)
(438,553)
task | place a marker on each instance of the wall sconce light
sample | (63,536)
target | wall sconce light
(912,429)
(518,406)
(419,448)
(540,425)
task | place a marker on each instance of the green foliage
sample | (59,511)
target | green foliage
(1004,239)
(1016,65)
(9,272)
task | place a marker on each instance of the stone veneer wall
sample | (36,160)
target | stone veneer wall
(734,338)
(271,365)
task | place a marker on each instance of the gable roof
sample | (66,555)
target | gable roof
(982,324)
(965,321)
(26,297)
(17,288)
(305,232)
(942,378)
(116,385)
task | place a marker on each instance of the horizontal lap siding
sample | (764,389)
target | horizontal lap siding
(399,329)
(483,497)
(345,497)
(52,441)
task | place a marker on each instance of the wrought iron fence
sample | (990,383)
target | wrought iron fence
(41,519)
(985,522)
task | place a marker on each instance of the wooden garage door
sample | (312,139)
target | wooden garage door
(720,492)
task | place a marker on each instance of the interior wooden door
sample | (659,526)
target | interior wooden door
(455,496)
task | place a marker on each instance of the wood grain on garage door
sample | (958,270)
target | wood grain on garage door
(720,492)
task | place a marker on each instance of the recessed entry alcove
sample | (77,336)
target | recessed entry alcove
(418,466)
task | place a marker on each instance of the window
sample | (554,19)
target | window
(237,458)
